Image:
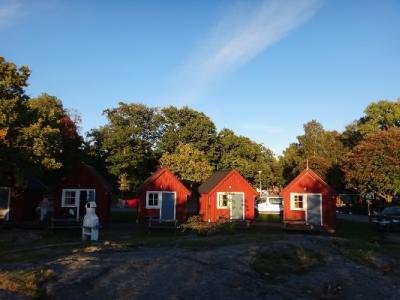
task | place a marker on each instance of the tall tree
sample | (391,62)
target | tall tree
(13,106)
(129,140)
(189,163)
(383,114)
(185,125)
(322,149)
(374,164)
(248,158)
(52,136)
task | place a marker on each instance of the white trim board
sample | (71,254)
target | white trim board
(77,199)
(159,206)
(305,201)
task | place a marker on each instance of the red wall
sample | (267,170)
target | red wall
(23,203)
(309,183)
(83,177)
(233,182)
(167,182)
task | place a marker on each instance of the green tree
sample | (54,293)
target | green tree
(185,125)
(13,106)
(374,164)
(383,114)
(52,138)
(188,163)
(323,150)
(248,157)
(128,141)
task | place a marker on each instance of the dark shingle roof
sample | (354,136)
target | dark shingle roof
(212,181)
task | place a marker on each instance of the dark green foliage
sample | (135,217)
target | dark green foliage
(127,142)
(322,149)
(248,157)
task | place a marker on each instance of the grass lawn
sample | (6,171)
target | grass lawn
(273,218)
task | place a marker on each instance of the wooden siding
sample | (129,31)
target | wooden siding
(83,177)
(164,181)
(235,183)
(310,183)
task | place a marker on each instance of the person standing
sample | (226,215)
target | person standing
(44,206)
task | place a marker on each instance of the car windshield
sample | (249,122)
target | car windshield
(391,211)
(276,200)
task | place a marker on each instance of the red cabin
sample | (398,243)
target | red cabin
(226,195)
(308,200)
(19,203)
(164,197)
(80,185)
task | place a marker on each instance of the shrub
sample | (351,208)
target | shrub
(195,224)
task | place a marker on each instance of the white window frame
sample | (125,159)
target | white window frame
(305,200)
(219,194)
(292,207)
(230,203)
(148,206)
(8,202)
(78,200)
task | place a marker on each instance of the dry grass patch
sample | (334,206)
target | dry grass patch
(28,283)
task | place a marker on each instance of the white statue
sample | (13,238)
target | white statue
(90,227)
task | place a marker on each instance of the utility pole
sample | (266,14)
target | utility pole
(259,172)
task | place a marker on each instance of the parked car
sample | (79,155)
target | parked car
(269,205)
(388,219)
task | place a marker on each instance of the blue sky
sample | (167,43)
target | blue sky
(261,68)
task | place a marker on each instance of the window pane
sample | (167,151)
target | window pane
(91,196)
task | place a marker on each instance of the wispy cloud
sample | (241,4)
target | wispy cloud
(10,10)
(242,34)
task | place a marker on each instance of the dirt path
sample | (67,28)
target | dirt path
(220,273)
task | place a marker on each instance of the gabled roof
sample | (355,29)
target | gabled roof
(156,175)
(71,171)
(99,176)
(300,176)
(214,180)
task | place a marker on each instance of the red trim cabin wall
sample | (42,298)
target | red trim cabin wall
(308,182)
(85,177)
(163,181)
(232,181)
(23,200)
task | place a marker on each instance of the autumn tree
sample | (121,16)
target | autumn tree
(374,164)
(188,163)
(35,134)
(52,137)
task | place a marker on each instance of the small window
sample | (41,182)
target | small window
(69,198)
(298,202)
(222,200)
(153,199)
